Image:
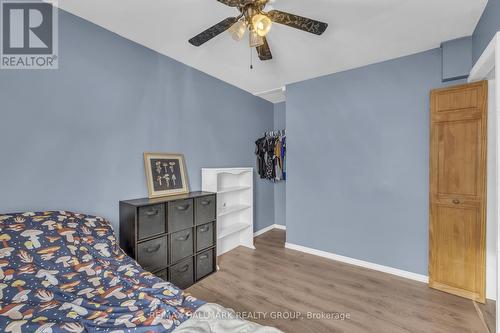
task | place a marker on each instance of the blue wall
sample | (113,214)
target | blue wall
(486,28)
(73,138)
(358,161)
(280,187)
(457,58)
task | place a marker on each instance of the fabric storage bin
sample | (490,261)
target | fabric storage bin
(163,274)
(180,215)
(204,264)
(181,274)
(205,209)
(181,245)
(151,221)
(152,254)
(204,236)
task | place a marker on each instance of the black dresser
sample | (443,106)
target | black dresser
(173,237)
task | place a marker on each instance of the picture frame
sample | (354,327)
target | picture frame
(166,174)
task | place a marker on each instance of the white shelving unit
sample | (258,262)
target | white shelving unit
(234,188)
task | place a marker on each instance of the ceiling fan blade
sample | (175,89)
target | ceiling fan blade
(264,51)
(298,22)
(230,3)
(210,33)
(241,3)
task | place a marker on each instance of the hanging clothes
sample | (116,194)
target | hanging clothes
(283,156)
(271,151)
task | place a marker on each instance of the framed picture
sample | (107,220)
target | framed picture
(165,174)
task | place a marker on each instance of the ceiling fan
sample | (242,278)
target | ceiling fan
(253,18)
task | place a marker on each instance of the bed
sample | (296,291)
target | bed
(64,272)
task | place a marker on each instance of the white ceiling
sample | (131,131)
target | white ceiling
(360,32)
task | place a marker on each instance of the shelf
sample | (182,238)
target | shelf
(235,171)
(232,209)
(232,229)
(233,189)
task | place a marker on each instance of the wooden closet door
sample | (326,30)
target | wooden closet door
(457,227)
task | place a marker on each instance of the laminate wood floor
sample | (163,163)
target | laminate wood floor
(272,279)
(488,312)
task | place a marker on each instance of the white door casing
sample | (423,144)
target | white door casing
(487,68)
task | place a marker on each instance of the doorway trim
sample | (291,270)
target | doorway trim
(487,68)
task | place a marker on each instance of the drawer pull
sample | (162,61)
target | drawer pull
(182,238)
(205,228)
(206,202)
(153,248)
(152,212)
(182,208)
(183,269)
(204,256)
(456,201)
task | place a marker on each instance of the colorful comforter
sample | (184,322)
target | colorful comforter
(64,272)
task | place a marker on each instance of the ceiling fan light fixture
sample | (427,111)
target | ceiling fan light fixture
(255,39)
(238,30)
(261,24)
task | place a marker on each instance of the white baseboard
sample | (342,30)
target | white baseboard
(271,227)
(361,263)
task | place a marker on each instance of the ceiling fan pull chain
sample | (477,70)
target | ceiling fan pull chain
(251,59)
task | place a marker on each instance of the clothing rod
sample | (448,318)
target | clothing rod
(275,132)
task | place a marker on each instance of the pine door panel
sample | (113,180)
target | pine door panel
(457,226)
(454,236)
(459,154)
